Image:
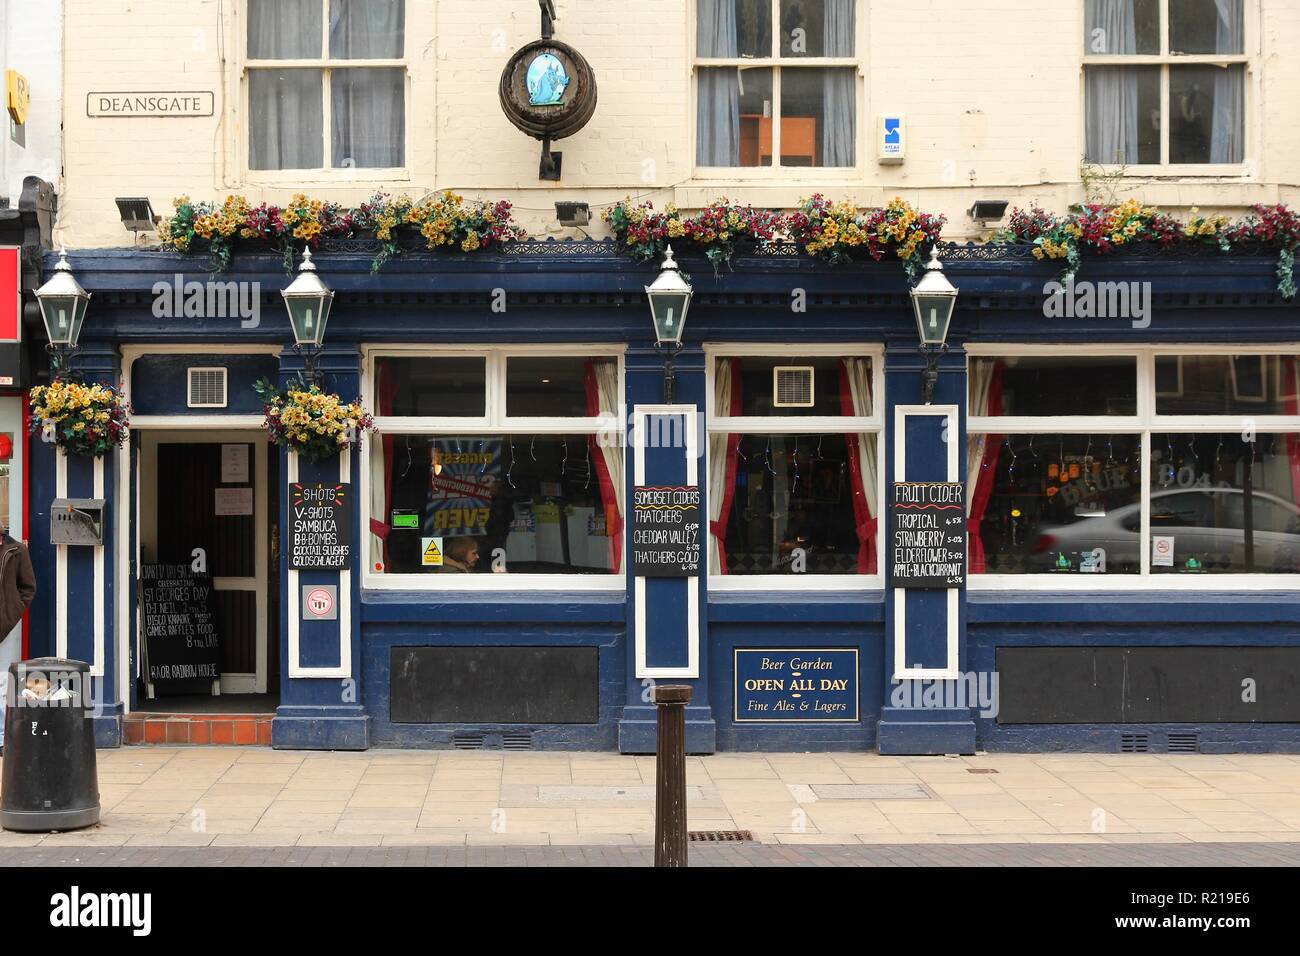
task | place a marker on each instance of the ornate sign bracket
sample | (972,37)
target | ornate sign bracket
(548,90)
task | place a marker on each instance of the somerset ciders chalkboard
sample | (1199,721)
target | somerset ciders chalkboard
(320,526)
(181,640)
(927,542)
(666,531)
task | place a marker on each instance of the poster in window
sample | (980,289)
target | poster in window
(464,476)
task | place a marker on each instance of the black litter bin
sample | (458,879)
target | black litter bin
(50,781)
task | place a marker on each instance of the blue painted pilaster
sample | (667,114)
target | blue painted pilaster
(78,616)
(321,706)
(918,620)
(665,601)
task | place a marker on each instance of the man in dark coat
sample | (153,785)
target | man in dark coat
(17,589)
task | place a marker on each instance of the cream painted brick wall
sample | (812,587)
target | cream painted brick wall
(992,92)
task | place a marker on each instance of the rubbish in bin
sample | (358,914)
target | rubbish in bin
(50,781)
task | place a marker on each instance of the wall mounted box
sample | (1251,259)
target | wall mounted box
(891,138)
(77,521)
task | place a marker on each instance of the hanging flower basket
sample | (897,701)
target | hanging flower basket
(84,420)
(311,422)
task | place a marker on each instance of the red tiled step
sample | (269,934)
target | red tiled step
(173,729)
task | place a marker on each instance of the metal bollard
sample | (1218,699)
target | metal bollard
(670,774)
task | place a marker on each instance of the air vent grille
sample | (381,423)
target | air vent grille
(467,741)
(792,386)
(1134,743)
(516,741)
(1184,743)
(207,388)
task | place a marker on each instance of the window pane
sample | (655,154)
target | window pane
(369,118)
(1123,114)
(754,392)
(1054,385)
(522,504)
(1223,505)
(284,29)
(818,117)
(431,387)
(367,29)
(734,118)
(1207,109)
(731,28)
(1206,26)
(793,501)
(286,124)
(1226,384)
(817,27)
(552,386)
(1113,27)
(1061,504)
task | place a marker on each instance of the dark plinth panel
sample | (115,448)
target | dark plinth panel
(494,685)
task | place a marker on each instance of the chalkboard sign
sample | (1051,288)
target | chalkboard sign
(320,532)
(666,531)
(927,543)
(181,640)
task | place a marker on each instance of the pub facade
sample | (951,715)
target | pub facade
(1061,513)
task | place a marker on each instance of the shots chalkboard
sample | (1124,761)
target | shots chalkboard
(320,526)
(181,639)
(927,543)
(666,531)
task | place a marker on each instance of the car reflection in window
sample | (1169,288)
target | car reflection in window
(1208,527)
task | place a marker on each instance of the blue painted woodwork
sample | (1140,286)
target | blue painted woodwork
(588,292)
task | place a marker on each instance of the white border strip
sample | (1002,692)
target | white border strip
(640,414)
(902,672)
(344,668)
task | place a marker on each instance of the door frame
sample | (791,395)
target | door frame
(146,519)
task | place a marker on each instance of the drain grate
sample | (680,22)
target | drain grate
(980,770)
(467,741)
(720,836)
(516,741)
(1184,743)
(1134,743)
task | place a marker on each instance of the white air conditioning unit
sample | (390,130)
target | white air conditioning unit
(792,386)
(207,388)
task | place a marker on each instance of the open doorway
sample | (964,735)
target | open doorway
(206,504)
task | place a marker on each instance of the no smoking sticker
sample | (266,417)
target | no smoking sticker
(320,602)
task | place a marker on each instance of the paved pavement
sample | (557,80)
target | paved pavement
(257,797)
(1198,855)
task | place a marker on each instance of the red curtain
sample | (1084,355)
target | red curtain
(608,495)
(1292,440)
(386,389)
(719,528)
(864,524)
(984,483)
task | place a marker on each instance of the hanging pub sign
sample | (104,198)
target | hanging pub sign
(927,541)
(320,529)
(666,531)
(548,90)
(181,640)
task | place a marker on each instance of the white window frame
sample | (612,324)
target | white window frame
(1164,59)
(805,425)
(1143,424)
(327,64)
(776,63)
(494,422)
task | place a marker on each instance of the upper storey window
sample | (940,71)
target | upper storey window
(1165,82)
(776,83)
(326,84)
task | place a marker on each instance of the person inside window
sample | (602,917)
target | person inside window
(460,555)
